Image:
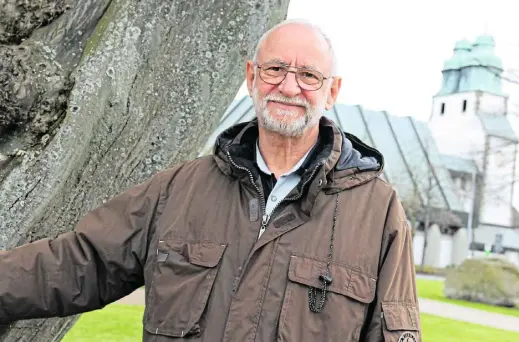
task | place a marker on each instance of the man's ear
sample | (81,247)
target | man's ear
(249,75)
(333,92)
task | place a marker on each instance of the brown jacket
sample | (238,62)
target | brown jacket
(190,235)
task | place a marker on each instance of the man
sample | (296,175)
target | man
(285,233)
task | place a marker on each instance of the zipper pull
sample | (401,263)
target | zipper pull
(264,221)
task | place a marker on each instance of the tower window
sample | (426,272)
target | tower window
(442,109)
(464,109)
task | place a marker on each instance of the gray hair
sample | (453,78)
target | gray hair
(305,23)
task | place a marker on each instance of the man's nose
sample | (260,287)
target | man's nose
(289,86)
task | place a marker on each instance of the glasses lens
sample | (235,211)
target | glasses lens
(273,73)
(309,79)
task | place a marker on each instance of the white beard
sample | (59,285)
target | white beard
(296,125)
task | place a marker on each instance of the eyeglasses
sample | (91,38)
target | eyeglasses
(307,79)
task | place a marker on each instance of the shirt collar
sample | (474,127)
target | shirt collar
(264,168)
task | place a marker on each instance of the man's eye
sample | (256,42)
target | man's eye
(309,75)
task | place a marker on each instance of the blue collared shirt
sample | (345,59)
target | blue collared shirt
(284,184)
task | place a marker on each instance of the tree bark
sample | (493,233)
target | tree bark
(97,95)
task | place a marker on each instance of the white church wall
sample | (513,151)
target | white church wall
(497,198)
(433,250)
(492,104)
(453,104)
(445,255)
(460,246)
(466,194)
(446,127)
(463,189)
(446,250)
(510,239)
(418,242)
(440,249)
(512,257)
(487,234)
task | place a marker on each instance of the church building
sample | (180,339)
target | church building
(469,121)
(455,173)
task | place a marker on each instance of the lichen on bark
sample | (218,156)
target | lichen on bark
(21,17)
(147,90)
(33,89)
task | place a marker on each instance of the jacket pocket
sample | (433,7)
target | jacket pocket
(181,285)
(401,322)
(347,298)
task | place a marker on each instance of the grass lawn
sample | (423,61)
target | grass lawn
(433,289)
(114,323)
(121,323)
(436,329)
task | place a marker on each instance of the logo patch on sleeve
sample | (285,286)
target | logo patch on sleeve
(407,337)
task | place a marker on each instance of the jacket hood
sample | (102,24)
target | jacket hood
(355,154)
(342,154)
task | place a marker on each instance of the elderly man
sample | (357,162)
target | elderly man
(285,233)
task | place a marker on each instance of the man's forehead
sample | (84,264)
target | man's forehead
(289,62)
(296,45)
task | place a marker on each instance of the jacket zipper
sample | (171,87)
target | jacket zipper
(265,221)
(251,177)
(265,218)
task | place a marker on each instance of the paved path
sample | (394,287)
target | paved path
(134,298)
(432,307)
(470,315)
(430,277)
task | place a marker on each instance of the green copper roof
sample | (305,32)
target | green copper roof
(463,44)
(461,52)
(483,53)
(473,66)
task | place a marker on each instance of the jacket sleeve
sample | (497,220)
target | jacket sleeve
(394,314)
(98,263)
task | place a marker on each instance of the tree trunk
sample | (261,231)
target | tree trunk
(97,95)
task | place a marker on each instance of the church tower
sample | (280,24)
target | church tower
(469,121)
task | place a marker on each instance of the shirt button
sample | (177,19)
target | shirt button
(273,198)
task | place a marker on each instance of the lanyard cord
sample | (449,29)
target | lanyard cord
(325,278)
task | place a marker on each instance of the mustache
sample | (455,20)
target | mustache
(286,100)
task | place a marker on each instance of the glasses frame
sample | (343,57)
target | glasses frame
(260,66)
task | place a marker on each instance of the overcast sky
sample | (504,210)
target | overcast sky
(391,52)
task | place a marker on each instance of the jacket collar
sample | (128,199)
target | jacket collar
(343,159)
